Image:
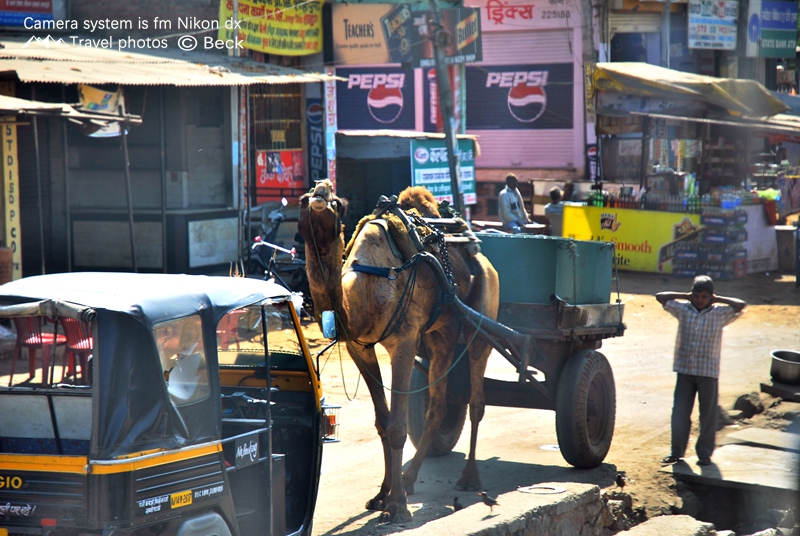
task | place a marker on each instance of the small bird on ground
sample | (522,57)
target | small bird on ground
(621,480)
(491,502)
(457,505)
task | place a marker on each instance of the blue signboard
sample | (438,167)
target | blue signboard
(315,119)
(511,97)
(375,98)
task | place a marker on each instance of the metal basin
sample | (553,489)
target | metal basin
(785,366)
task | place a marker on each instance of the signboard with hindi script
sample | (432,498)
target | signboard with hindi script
(771,29)
(430,168)
(281,27)
(504,15)
(712,24)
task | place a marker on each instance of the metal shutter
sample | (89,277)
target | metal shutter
(633,23)
(529,148)
(540,46)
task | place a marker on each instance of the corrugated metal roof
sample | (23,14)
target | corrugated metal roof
(66,63)
(13,106)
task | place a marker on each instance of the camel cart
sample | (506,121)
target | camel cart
(555,311)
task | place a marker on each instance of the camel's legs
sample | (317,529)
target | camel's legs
(402,349)
(440,345)
(367,362)
(478,356)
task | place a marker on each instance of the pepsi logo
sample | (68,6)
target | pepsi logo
(421,155)
(371,81)
(314,113)
(513,79)
(385,103)
(527,104)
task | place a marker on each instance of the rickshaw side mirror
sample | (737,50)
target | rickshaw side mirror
(328,325)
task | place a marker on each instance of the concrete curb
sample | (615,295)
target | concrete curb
(677,525)
(578,510)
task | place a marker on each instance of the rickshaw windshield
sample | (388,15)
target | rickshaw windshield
(183,359)
(240,338)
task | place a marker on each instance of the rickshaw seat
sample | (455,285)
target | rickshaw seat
(79,344)
(31,337)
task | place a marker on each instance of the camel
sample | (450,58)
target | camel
(366,306)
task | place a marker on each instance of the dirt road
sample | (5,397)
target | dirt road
(517,447)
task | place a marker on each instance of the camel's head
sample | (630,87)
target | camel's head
(322,205)
(321,197)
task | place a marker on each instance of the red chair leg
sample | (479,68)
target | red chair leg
(68,365)
(46,350)
(14,363)
(32,361)
(84,357)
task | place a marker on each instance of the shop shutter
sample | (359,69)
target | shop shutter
(634,23)
(531,149)
(541,46)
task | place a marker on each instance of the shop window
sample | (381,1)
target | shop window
(276,126)
(183,359)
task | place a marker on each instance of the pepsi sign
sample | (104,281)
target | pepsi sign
(375,98)
(317,162)
(510,97)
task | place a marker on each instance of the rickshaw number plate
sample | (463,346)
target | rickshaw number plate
(176,500)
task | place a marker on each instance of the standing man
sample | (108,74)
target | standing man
(554,210)
(701,316)
(512,208)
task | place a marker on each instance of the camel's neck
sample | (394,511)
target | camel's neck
(324,269)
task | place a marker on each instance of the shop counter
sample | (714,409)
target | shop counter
(646,241)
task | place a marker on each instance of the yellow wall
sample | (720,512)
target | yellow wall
(645,241)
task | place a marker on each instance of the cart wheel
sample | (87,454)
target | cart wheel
(585,409)
(449,431)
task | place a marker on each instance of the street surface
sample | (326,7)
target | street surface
(518,447)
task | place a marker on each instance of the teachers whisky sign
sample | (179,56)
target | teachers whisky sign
(366,34)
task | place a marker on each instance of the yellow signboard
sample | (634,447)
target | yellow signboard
(282,27)
(10,169)
(645,241)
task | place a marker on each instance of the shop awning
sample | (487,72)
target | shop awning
(13,106)
(777,124)
(640,87)
(61,61)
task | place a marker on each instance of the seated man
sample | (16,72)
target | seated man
(512,208)
(554,210)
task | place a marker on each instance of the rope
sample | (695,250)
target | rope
(448,271)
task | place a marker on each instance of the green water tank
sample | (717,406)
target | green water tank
(533,267)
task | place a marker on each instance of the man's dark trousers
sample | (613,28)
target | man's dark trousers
(686,387)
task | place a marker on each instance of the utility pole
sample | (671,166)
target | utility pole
(665,31)
(441,39)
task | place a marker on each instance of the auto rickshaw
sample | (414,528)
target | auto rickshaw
(190,406)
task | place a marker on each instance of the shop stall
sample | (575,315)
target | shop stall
(680,191)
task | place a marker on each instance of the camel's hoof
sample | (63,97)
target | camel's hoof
(469,485)
(395,514)
(375,504)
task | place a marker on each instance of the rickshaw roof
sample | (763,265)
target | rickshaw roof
(156,296)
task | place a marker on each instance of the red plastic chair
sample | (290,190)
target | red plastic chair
(31,337)
(79,344)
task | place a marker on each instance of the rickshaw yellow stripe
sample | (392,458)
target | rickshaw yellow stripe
(153,460)
(37,462)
